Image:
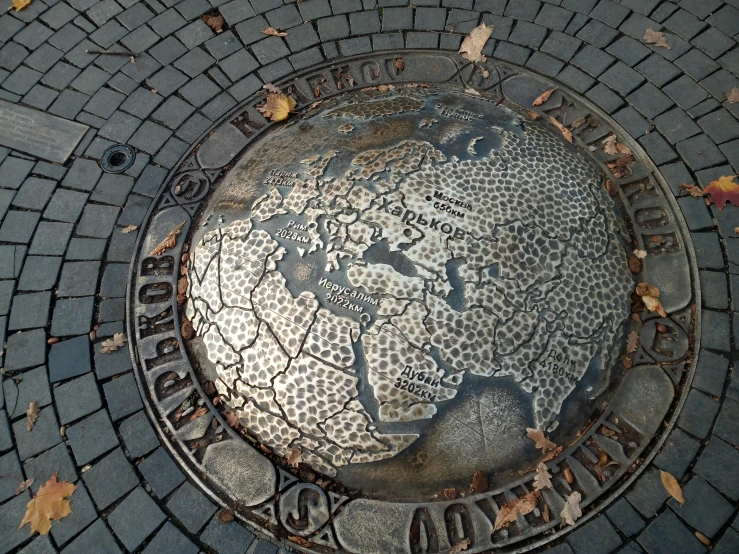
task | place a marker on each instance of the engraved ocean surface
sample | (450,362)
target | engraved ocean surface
(402,300)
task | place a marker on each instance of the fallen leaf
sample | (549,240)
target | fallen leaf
(49,503)
(459,547)
(201,411)
(472,91)
(736,230)
(704,539)
(400,64)
(692,190)
(544,96)
(383,88)
(572,510)
(672,486)
(723,190)
(609,145)
(428,122)
(169,241)
(518,507)
(543,479)
(23,485)
(346,128)
(294,457)
(537,435)
(187,330)
(534,115)
(269,87)
(566,133)
(657,38)
(649,295)
(31,415)
(635,264)
(473,43)
(641,254)
(480,482)
(578,123)
(300,540)
(733,95)
(606,432)
(628,362)
(277,107)
(271,31)
(232,420)
(111,345)
(450,494)
(129,229)
(225,515)
(19,4)
(215,22)
(633,342)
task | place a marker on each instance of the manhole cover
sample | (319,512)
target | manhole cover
(386,300)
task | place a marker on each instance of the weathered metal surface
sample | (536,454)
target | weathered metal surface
(397,283)
(40,134)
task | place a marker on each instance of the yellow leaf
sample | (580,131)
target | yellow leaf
(278,106)
(472,44)
(672,486)
(20,4)
(49,503)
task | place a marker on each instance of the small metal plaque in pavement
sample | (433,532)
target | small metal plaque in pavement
(38,133)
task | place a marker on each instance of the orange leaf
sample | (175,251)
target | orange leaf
(277,107)
(566,133)
(723,190)
(544,96)
(49,503)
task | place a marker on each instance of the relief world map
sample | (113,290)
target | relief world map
(346,288)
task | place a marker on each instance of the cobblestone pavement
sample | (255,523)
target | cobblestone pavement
(64,260)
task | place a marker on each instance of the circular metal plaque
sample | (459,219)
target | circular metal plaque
(360,324)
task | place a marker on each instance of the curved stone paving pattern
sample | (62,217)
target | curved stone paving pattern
(64,261)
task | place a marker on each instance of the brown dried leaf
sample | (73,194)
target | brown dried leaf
(277,107)
(269,87)
(607,432)
(31,415)
(300,540)
(472,91)
(733,96)
(654,305)
(271,31)
(635,265)
(294,457)
(187,330)
(657,38)
(566,133)
(572,510)
(169,241)
(201,411)
(129,229)
(672,486)
(692,190)
(49,503)
(23,485)
(609,145)
(215,22)
(645,289)
(704,539)
(628,362)
(534,115)
(543,479)
(473,43)
(111,345)
(232,420)
(400,64)
(450,494)
(633,342)
(568,475)
(578,123)
(225,515)
(459,547)
(544,96)
(537,435)
(519,507)
(480,482)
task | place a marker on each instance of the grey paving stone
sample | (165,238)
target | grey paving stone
(161,472)
(704,508)
(720,125)
(6,294)
(261,6)
(711,368)
(96,539)
(545,64)
(150,137)
(65,205)
(25,349)
(11,260)
(111,310)
(715,294)
(667,535)
(728,543)
(10,466)
(12,55)
(85,249)
(138,435)
(332,28)
(194,62)
(72,316)
(113,283)
(14,171)
(79,279)
(696,64)
(595,537)
(109,329)
(713,42)
(43,435)
(310,10)
(250,84)
(269,73)
(83,175)
(625,517)
(191,507)
(597,34)
(648,494)
(69,358)
(110,478)
(22,80)
(227,538)
(122,396)
(31,386)
(554,17)
(135,16)
(33,36)
(29,311)
(104,102)
(700,152)
(528,34)
(460,20)
(427,19)
(628,50)
(198,32)
(676,125)
(68,104)
(40,545)
(170,539)
(77,398)
(18,226)
(83,513)
(636,25)
(107,365)
(512,53)
(605,98)
(113,189)
(43,466)
(6,439)
(135,518)
(698,414)
(592,60)
(171,114)
(40,97)
(10,534)
(140,40)
(39,273)
(60,76)
(657,148)
(91,437)
(685,92)
(731,151)
(190,9)
(9,26)
(727,424)
(97,221)
(167,22)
